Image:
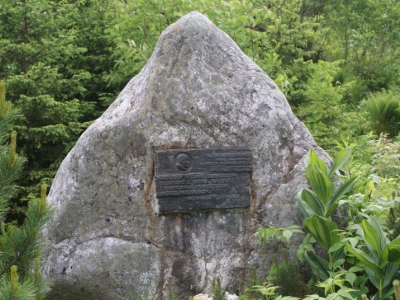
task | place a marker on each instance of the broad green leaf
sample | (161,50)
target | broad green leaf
(287,234)
(304,247)
(373,277)
(350,277)
(372,237)
(345,292)
(339,254)
(295,229)
(323,230)
(318,264)
(375,240)
(305,209)
(352,241)
(265,234)
(366,261)
(319,182)
(341,191)
(354,269)
(312,297)
(390,271)
(394,251)
(335,247)
(312,158)
(340,160)
(388,292)
(374,222)
(309,203)
(338,263)
(286,298)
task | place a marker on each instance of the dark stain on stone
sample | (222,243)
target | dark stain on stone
(182,271)
(140,186)
(139,144)
(147,189)
(264,108)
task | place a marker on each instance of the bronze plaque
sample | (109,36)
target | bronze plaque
(202,179)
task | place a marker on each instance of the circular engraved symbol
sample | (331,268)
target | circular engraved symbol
(183,162)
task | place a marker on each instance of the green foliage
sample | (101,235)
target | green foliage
(362,33)
(249,292)
(39,47)
(324,231)
(7,115)
(281,41)
(286,275)
(393,222)
(10,163)
(19,246)
(322,103)
(134,27)
(322,200)
(376,164)
(381,261)
(385,158)
(217,290)
(63,69)
(377,256)
(65,61)
(266,289)
(337,280)
(282,235)
(384,112)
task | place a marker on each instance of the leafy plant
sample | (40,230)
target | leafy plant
(285,274)
(384,112)
(282,235)
(393,221)
(266,289)
(322,199)
(317,205)
(382,259)
(337,280)
(218,292)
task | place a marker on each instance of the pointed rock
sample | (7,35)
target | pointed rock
(198,90)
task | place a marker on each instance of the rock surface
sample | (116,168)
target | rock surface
(198,90)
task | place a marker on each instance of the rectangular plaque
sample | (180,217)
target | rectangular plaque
(202,179)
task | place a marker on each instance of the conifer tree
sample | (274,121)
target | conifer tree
(19,246)
(39,62)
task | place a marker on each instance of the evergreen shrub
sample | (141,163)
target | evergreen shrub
(384,112)
(19,246)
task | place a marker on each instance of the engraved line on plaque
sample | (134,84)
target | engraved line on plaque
(194,184)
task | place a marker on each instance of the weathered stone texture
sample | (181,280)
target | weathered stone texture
(198,90)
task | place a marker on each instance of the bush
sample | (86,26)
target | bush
(384,112)
(19,246)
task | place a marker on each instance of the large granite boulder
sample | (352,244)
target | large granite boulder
(198,90)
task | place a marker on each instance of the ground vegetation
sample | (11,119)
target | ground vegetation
(337,62)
